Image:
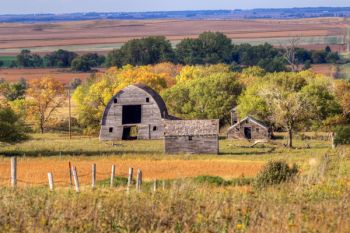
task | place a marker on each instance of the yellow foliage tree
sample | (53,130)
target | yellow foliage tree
(92,97)
(44,96)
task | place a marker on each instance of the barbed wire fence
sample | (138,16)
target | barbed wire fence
(73,179)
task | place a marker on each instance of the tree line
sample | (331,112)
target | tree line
(208,48)
(288,101)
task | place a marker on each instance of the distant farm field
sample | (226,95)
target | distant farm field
(63,75)
(101,36)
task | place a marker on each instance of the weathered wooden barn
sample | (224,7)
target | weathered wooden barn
(191,136)
(249,128)
(136,112)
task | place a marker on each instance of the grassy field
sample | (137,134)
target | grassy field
(52,152)
(7,60)
(315,201)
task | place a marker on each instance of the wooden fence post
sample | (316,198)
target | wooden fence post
(155,186)
(131,171)
(112,175)
(50,177)
(70,174)
(139,180)
(14,171)
(93,176)
(76,180)
(163,185)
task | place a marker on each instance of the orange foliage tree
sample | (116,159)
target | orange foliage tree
(44,96)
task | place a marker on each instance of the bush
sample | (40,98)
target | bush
(213,180)
(342,135)
(276,172)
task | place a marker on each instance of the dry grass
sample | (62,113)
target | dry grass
(41,155)
(34,170)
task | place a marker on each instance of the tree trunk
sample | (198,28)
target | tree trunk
(290,138)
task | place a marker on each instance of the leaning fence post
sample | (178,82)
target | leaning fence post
(76,180)
(93,176)
(50,177)
(112,175)
(139,180)
(155,185)
(70,174)
(14,171)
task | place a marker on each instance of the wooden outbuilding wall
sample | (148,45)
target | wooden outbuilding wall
(241,129)
(191,136)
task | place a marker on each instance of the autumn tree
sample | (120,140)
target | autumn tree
(44,97)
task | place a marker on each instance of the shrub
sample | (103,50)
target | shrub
(213,180)
(342,135)
(276,172)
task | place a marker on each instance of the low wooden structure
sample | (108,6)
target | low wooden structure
(136,112)
(191,136)
(249,128)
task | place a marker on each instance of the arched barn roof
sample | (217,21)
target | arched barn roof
(159,101)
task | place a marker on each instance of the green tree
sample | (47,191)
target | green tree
(289,100)
(209,97)
(11,126)
(189,52)
(27,59)
(60,58)
(145,51)
(13,91)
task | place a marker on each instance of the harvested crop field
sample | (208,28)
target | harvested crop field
(63,75)
(34,171)
(95,34)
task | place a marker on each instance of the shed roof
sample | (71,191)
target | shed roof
(252,119)
(191,127)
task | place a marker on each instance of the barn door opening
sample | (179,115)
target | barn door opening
(130,133)
(131,114)
(248,132)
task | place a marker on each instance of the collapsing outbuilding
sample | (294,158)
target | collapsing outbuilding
(136,112)
(249,128)
(191,136)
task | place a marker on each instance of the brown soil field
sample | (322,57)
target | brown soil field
(103,32)
(63,75)
(33,171)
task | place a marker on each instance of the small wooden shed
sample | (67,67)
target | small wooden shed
(191,136)
(249,128)
(136,112)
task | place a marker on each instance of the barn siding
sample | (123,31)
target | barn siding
(198,144)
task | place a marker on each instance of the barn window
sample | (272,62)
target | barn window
(154,128)
(115,100)
(147,100)
(189,138)
(257,130)
(131,114)
(111,129)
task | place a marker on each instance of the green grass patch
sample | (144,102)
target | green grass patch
(7,60)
